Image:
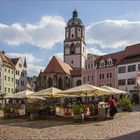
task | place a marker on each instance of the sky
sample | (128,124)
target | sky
(35,29)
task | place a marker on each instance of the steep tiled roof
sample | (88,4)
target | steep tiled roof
(15,60)
(6,61)
(131,54)
(116,57)
(57,66)
(132,50)
(76,72)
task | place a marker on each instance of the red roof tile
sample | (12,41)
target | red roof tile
(116,57)
(6,61)
(76,72)
(132,50)
(15,60)
(57,66)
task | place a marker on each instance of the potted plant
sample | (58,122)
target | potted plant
(126,104)
(32,108)
(78,112)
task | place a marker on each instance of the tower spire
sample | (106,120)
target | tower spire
(75,14)
(25,64)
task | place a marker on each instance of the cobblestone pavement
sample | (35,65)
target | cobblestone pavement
(125,126)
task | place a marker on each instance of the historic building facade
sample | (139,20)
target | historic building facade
(56,74)
(20,79)
(74,47)
(1,77)
(8,74)
(78,68)
(67,74)
(128,70)
(88,73)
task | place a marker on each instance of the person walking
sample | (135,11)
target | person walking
(112,106)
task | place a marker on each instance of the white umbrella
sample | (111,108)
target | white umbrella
(84,90)
(20,95)
(48,93)
(114,90)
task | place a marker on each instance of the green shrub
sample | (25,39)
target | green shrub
(126,103)
(7,108)
(77,109)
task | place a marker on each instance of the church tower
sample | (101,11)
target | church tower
(74,43)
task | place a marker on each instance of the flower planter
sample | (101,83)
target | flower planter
(79,117)
(126,110)
(6,115)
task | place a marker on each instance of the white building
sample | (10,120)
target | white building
(1,77)
(128,71)
(20,74)
(74,47)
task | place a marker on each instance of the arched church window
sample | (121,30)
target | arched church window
(67,33)
(72,49)
(77,45)
(72,35)
(72,62)
(67,46)
(78,83)
(67,82)
(60,85)
(72,32)
(50,82)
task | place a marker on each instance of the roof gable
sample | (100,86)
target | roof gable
(15,60)
(57,66)
(6,61)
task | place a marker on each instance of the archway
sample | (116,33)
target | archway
(60,84)
(78,83)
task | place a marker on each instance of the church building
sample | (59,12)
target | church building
(67,74)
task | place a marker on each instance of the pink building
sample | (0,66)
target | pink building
(101,70)
(88,74)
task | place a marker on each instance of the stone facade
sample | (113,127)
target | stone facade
(91,69)
(57,74)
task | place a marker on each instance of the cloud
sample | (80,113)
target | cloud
(33,63)
(113,33)
(94,51)
(50,30)
(44,34)
(34,69)
(59,55)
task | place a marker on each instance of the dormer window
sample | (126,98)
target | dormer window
(102,63)
(109,62)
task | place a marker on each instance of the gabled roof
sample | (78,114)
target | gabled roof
(6,61)
(15,60)
(132,50)
(131,54)
(76,72)
(57,66)
(116,57)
